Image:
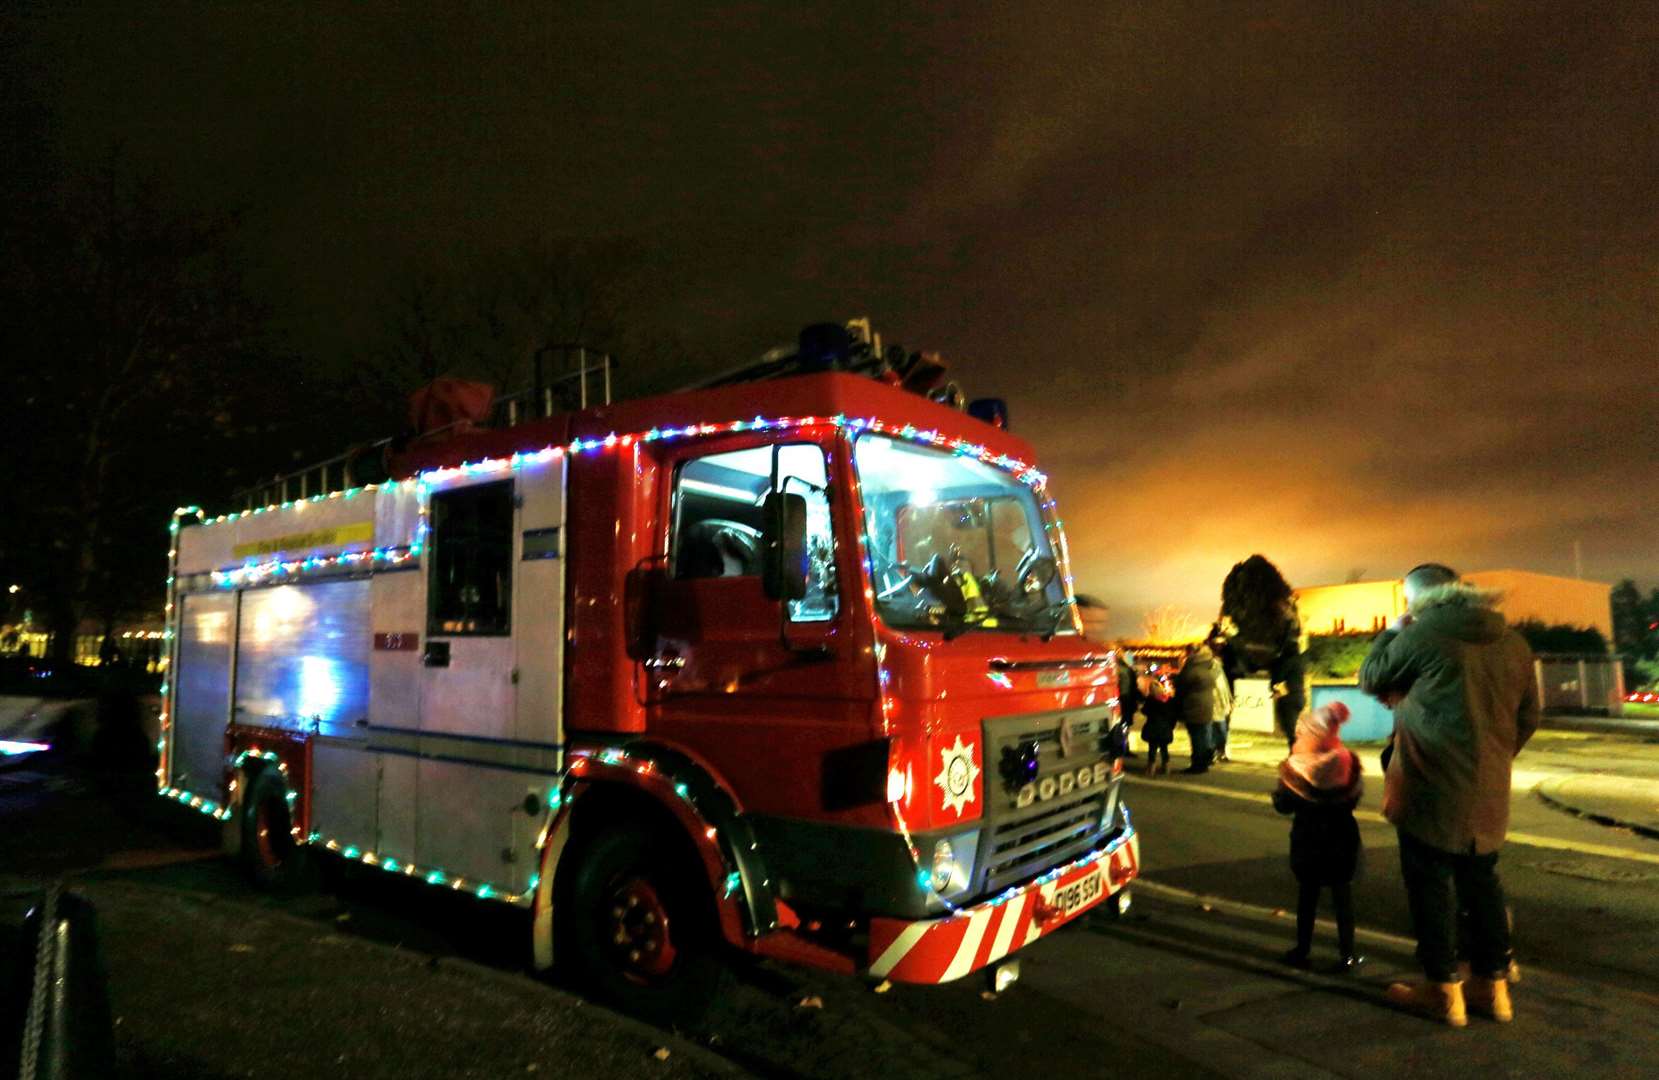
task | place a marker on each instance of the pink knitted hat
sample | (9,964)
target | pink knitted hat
(1321,725)
(1318,761)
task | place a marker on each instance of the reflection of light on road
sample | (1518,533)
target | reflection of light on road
(13,747)
(319,687)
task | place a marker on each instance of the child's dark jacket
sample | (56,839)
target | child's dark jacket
(1324,838)
(1162,714)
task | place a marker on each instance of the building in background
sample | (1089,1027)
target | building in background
(1568,682)
(1365,607)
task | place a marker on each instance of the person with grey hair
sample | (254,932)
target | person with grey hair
(1460,682)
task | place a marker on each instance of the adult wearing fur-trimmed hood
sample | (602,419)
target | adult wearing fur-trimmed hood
(1465,704)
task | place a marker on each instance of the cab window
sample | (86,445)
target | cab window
(718,518)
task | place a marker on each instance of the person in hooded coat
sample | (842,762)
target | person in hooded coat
(1195,691)
(1465,703)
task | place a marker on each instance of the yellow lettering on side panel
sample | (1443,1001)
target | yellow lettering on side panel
(358,532)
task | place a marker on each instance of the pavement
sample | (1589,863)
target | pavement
(1620,801)
(257,994)
(208,979)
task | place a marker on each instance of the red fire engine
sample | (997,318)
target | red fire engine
(790,666)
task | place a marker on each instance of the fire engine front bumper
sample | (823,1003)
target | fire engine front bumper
(940,950)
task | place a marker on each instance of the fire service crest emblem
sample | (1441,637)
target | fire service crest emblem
(957,774)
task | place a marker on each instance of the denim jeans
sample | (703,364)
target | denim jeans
(1218,738)
(1437,884)
(1199,734)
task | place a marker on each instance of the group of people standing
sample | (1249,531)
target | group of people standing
(1257,632)
(1459,682)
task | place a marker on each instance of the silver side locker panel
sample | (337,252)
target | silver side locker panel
(399,777)
(344,783)
(206,628)
(399,618)
(397,515)
(539,598)
(468,822)
(473,694)
(303,657)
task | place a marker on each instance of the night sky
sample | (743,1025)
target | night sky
(1354,285)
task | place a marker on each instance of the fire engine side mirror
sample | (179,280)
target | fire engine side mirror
(639,611)
(783,541)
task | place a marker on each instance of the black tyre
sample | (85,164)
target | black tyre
(273,858)
(636,926)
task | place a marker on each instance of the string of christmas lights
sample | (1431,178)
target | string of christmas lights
(256,573)
(909,432)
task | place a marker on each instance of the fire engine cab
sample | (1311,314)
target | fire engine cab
(790,666)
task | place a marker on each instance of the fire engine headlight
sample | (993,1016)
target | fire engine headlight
(945,871)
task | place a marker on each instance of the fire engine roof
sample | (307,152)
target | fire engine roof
(852,396)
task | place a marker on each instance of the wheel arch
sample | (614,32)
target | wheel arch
(666,789)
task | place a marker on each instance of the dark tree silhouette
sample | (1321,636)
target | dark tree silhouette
(132,354)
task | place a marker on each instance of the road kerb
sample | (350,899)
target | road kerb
(1547,793)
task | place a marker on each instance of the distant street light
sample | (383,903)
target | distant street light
(15,589)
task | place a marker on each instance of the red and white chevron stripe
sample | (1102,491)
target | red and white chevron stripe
(939,950)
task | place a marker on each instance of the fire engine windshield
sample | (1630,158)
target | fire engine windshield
(956,544)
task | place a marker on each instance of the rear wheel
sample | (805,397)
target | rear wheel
(637,927)
(271,855)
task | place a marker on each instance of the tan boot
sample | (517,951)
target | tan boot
(1490,997)
(1437,1001)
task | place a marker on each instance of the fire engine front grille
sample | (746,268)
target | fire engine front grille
(1056,832)
(1061,821)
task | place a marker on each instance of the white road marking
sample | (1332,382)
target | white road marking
(1527,839)
(1239,907)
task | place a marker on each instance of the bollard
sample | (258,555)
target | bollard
(59,994)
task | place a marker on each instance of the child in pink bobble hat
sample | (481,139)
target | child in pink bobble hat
(1319,783)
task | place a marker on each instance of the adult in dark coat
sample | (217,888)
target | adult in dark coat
(1264,634)
(1195,693)
(1466,702)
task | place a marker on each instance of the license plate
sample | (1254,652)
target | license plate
(1079,894)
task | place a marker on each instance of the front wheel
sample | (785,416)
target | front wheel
(637,927)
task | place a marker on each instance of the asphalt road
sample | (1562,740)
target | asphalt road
(1176,989)
(1594,916)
